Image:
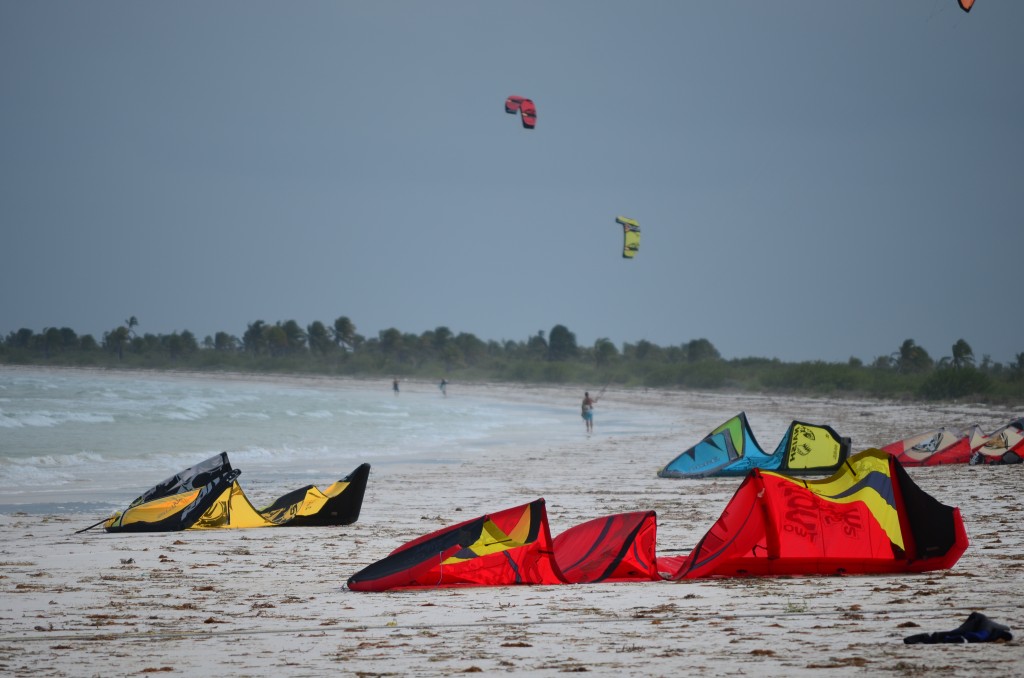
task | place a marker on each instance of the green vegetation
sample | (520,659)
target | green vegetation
(286,347)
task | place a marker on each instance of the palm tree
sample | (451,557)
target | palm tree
(1018,364)
(699,350)
(296,338)
(115,340)
(912,358)
(390,342)
(319,338)
(604,352)
(51,340)
(468,347)
(254,339)
(645,350)
(442,335)
(344,332)
(222,341)
(963,355)
(276,338)
(561,343)
(536,346)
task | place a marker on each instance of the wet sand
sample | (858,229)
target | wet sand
(274,602)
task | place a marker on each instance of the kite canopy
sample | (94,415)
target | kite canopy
(525,107)
(613,548)
(940,446)
(966,5)
(514,546)
(630,236)
(976,437)
(1005,445)
(528,113)
(512,103)
(722,446)
(732,450)
(207,496)
(868,518)
(944,445)
(508,547)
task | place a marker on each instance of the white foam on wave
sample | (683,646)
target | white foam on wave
(262,416)
(7,421)
(21,474)
(189,409)
(57,460)
(17,479)
(47,419)
(398,414)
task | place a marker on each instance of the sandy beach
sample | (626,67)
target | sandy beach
(274,602)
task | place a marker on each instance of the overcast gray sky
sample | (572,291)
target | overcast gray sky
(814,179)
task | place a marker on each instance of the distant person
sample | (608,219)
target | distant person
(394,386)
(588,411)
(444,387)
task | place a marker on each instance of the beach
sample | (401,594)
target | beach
(274,602)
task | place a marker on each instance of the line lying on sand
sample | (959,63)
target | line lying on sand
(359,628)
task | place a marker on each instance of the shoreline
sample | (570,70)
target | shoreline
(966,414)
(305,378)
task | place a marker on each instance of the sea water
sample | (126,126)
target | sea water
(75,441)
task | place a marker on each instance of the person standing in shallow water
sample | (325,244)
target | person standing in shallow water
(588,411)
(394,386)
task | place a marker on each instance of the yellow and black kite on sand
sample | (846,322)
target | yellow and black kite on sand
(208,496)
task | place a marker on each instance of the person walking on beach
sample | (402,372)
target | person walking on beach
(394,386)
(588,411)
(444,387)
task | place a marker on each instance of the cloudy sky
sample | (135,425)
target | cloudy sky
(814,180)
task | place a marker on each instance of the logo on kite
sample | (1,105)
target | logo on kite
(525,107)
(630,236)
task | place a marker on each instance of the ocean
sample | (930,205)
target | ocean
(90,441)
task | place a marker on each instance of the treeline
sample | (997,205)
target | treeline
(338,349)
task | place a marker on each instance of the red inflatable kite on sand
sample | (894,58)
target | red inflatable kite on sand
(941,446)
(869,518)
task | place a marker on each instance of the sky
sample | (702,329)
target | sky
(813,180)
